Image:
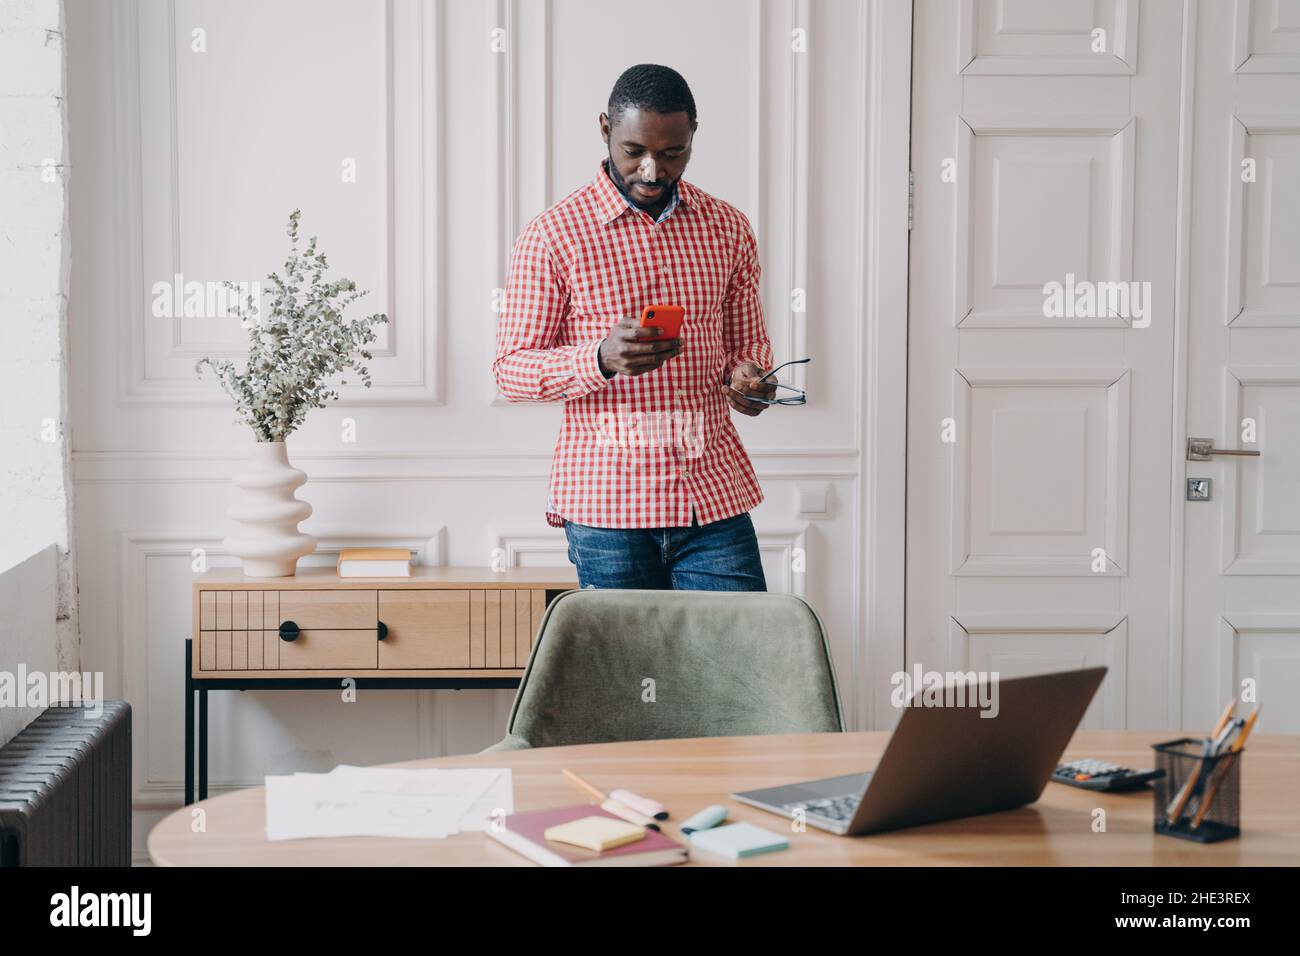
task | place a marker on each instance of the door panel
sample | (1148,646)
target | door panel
(1046,36)
(1241,549)
(1038,482)
(1025,177)
(1264,233)
(1260,502)
(1039,437)
(1021,646)
(1266,36)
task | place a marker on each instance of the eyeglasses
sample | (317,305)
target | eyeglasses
(800,398)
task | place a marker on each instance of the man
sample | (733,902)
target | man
(649,481)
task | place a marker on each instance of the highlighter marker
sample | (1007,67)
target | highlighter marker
(651,808)
(706,818)
(625,812)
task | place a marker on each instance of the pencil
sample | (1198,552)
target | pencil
(1179,802)
(1220,772)
(1223,721)
(583,785)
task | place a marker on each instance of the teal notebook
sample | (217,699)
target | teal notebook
(737,840)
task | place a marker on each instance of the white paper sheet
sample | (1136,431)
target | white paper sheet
(383,801)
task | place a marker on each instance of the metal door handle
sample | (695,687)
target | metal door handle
(1200,449)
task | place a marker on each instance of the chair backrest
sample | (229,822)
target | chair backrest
(614,664)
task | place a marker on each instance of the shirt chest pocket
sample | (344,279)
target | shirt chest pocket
(698,286)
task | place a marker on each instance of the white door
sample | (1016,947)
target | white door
(1241,548)
(1044,150)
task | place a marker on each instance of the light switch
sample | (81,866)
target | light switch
(814,501)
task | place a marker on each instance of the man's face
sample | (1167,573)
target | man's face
(648,153)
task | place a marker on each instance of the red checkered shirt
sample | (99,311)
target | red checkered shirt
(636,451)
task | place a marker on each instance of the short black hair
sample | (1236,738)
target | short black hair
(649,86)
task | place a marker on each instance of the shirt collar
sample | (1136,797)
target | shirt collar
(611,203)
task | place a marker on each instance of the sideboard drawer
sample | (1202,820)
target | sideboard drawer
(325,649)
(425,629)
(336,609)
(455,626)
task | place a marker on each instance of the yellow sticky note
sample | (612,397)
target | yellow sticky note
(596,833)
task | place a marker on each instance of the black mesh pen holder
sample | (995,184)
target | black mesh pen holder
(1199,797)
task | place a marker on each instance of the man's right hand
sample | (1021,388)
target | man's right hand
(630,349)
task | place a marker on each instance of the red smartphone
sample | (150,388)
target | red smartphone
(667,318)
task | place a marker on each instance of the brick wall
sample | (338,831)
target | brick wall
(35,258)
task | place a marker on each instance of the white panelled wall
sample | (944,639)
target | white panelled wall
(198,126)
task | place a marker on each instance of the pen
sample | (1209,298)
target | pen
(1216,745)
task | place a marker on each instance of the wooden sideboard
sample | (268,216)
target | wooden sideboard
(439,628)
(452,622)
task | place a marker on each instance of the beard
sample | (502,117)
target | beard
(623,186)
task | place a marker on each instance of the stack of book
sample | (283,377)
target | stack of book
(374,563)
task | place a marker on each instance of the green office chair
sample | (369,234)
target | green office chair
(612,664)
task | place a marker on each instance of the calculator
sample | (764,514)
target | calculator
(1100,775)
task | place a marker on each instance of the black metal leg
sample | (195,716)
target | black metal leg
(192,687)
(203,743)
(189,721)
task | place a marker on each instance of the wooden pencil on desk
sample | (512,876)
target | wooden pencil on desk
(1176,806)
(1221,772)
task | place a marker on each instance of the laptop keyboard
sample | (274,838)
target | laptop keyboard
(839,809)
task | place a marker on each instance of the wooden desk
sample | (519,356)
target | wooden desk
(687,775)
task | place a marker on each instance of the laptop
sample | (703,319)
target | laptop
(947,762)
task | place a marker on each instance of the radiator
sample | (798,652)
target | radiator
(65,789)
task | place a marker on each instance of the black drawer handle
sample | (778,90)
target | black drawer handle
(289,631)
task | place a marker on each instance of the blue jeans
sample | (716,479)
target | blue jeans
(721,556)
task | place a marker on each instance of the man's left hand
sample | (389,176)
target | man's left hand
(745,383)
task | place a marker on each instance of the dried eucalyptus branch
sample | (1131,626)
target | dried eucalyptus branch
(297,346)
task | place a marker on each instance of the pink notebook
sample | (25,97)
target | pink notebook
(523,833)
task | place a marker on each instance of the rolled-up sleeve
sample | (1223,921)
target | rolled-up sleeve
(529,366)
(744,335)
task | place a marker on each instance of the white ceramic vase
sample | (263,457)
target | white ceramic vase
(268,542)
